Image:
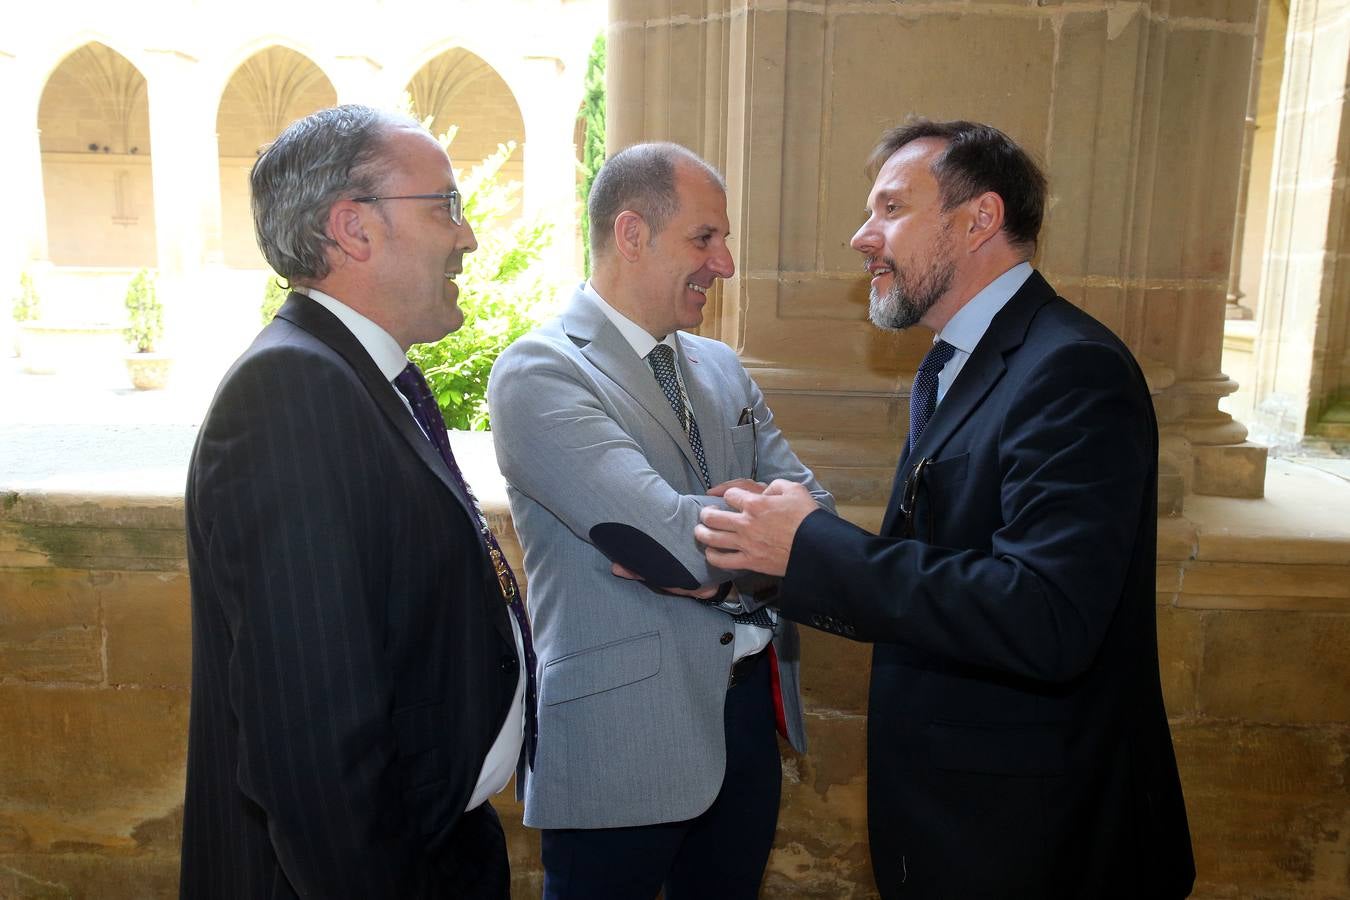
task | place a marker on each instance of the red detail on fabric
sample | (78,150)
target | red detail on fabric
(776,688)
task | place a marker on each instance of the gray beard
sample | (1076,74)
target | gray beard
(903,305)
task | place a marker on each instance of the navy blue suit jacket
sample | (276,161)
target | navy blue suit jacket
(352,657)
(1017,742)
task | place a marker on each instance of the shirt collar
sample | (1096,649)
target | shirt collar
(381,346)
(636,336)
(964,330)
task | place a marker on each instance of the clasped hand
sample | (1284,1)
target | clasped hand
(756,533)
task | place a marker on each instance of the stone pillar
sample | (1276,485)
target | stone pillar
(1136,110)
(1236,309)
(185,161)
(23,233)
(549,100)
(360,79)
(1302,379)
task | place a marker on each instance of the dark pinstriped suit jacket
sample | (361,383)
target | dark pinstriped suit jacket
(352,659)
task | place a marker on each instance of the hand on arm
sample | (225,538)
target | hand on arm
(757,532)
(702,592)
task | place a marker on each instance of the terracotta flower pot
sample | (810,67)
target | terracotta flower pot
(149,371)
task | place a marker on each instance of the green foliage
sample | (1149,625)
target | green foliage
(27,305)
(145,315)
(593,138)
(501,292)
(273,296)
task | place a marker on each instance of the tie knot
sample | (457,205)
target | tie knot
(411,383)
(937,357)
(662,355)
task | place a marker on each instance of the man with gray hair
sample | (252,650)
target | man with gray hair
(360,681)
(657,765)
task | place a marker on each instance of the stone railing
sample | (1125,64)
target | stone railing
(1254,629)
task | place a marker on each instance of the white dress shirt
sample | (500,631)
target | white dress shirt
(964,330)
(391,360)
(750,639)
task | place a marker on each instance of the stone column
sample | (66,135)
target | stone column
(185,161)
(1302,384)
(1136,110)
(23,233)
(359,79)
(549,100)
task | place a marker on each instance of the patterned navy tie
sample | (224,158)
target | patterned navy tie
(413,386)
(923,396)
(662,361)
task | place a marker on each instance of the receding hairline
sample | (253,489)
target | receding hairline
(939,146)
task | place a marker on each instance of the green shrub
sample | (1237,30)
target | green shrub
(26,305)
(145,315)
(593,139)
(273,296)
(502,293)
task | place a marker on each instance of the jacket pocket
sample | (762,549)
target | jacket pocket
(602,668)
(743,442)
(1028,749)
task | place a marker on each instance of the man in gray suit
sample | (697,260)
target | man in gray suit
(657,764)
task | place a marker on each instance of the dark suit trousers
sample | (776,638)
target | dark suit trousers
(475,865)
(721,853)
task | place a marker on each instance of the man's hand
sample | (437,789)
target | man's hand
(702,592)
(745,484)
(756,534)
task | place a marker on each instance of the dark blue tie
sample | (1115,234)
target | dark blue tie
(662,361)
(923,396)
(428,414)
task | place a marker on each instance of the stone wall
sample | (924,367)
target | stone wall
(1254,628)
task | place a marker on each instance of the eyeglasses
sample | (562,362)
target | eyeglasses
(909,496)
(451,201)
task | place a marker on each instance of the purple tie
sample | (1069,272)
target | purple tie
(923,396)
(413,386)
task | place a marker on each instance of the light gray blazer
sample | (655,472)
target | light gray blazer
(631,681)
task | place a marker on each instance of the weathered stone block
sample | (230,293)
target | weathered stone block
(836,673)
(1269,809)
(89,766)
(1286,667)
(49,626)
(1180,652)
(148,619)
(88,876)
(1228,585)
(1230,470)
(821,846)
(1220,12)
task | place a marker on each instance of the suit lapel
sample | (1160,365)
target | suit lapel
(608,351)
(304,313)
(982,371)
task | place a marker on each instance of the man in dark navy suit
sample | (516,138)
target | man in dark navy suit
(1017,742)
(357,688)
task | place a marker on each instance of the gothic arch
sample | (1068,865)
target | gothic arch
(96,156)
(460,89)
(267,91)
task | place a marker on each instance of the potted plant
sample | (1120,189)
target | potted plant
(26,307)
(145,316)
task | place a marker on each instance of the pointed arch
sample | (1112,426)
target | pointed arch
(94,122)
(266,91)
